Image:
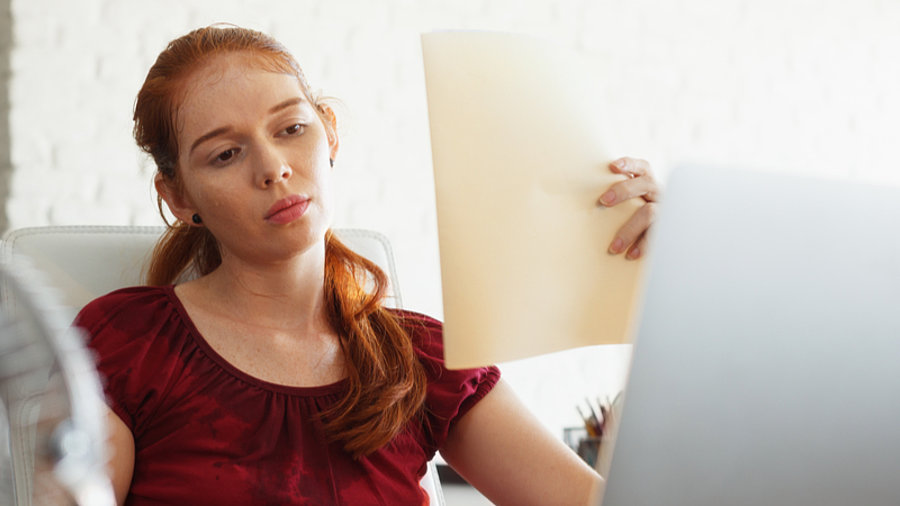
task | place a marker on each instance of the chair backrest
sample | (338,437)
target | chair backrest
(84,262)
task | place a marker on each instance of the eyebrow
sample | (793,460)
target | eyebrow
(224,130)
(287,103)
(207,136)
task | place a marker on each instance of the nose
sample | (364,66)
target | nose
(272,167)
(282,173)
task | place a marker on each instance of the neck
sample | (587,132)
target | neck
(289,294)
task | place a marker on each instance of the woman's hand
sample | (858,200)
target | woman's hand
(632,237)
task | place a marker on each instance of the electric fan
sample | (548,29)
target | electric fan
(52,418)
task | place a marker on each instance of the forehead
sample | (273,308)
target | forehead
(232,85)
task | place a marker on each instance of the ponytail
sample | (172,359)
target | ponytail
(386,380)
(181,251)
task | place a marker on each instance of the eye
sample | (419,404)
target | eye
(227,155)
(295,129)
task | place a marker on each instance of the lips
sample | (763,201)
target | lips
(287,209)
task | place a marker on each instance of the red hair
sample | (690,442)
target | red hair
(386,380)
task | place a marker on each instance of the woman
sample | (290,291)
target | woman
(274,377)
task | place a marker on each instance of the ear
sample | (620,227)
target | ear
(330,121)
(180,206)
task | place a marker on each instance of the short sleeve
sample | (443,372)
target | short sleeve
(450,393)
(126,330)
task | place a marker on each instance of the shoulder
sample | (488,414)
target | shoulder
(450,393)
(426,333)
(140,341)
(126,304)
(133,321)
(419,326)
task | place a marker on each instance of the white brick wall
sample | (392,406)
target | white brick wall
(799,85)
(5,50)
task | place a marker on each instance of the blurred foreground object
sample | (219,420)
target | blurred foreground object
(764,369)
(51,405)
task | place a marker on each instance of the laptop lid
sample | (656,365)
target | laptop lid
(766,367)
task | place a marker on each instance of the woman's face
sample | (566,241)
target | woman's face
(254,161)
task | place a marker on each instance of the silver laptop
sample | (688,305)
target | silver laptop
(767,360)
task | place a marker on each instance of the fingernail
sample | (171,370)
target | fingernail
(620,164)
(634,253)
(608,198)
(616,246)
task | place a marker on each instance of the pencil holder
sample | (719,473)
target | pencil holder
(586,446)
(588,449)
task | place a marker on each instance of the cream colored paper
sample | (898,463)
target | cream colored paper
(519,163)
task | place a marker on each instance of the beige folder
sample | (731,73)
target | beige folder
(517,137)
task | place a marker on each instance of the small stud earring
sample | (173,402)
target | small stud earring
(196,219)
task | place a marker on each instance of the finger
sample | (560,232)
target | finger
(638,248)
(623,190)
(630,233)
(631,166)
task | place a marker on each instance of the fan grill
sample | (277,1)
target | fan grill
(56,447)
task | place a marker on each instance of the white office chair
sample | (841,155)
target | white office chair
(84,262)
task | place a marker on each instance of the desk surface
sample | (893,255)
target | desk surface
(461,494)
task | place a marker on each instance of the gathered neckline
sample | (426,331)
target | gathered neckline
(228,367)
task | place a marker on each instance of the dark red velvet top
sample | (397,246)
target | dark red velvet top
(207,433)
